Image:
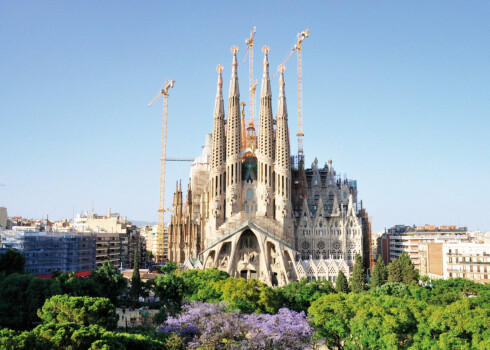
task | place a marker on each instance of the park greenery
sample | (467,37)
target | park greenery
(208,309)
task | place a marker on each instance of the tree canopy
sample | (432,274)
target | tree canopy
(81,310)
(12,261)
(342,286)
(358,279)
(108,282)
(379,274)
(136,278)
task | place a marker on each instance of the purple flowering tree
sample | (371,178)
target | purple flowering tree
(208,326)
(212,326)
(286,330)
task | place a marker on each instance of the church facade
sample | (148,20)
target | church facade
(252,209)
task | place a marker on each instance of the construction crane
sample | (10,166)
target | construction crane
(163,159)
(252,86)
(297,47)
(244,134)
(179,159)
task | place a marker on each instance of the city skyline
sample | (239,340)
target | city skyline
(394,94)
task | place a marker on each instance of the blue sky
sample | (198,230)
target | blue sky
(396,93)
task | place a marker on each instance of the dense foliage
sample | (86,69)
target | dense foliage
(12,261)
(358,279)
(357,321)
(136,278)
(85,311)
(20,298)
(379,274)
(81,323)
(109,284)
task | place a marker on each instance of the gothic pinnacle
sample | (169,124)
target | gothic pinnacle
(219,109)
(282,109)
(234,90)
(266,82)
(220,68)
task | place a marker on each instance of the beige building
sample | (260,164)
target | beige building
(154,245)
(3,217)
(410,240)
(470,260)
(117,239)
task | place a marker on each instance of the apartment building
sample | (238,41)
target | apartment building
(46,252)
(401,238)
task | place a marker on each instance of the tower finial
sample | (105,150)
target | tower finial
(234,49)
(220,68)
(266,50)
(281,68)
(234,91)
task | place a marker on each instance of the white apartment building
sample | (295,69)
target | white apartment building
(409,241)
(466,260)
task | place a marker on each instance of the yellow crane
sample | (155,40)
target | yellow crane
(161,211)
(252,87)
(297,47)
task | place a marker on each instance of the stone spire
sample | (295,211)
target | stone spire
(218,148)
(233,122)
(283,165)
(265,154)
(233,142)
(265,117)
(283,153)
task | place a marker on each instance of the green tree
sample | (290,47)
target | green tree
(109,283)
(248,296)
(169,267)
(80,286)
(202,284)
(136,279)
(330,315)
(11,262)
(342,286)
(379,274)
(380,323)
(358,279)
(80,310)
(410,275)
(396,289)
(15,340)
(21,296)
(457,326)
(171,290)
(299,295)
(394,271)
(67,335)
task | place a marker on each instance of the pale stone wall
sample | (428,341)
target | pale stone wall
(3,217)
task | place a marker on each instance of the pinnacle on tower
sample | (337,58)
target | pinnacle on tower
(234,90)
(233,126)
(283,161)
(282,108)
(266,82)
(218,139)
(266,131)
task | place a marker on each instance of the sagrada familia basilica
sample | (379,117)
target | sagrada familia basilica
(254,211)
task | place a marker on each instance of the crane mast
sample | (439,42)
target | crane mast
(297,47)
(250,136)
(163,154)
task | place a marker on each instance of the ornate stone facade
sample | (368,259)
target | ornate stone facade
(253,211)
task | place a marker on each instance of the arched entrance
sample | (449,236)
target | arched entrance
(248,255)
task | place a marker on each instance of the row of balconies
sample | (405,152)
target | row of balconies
(468,254)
